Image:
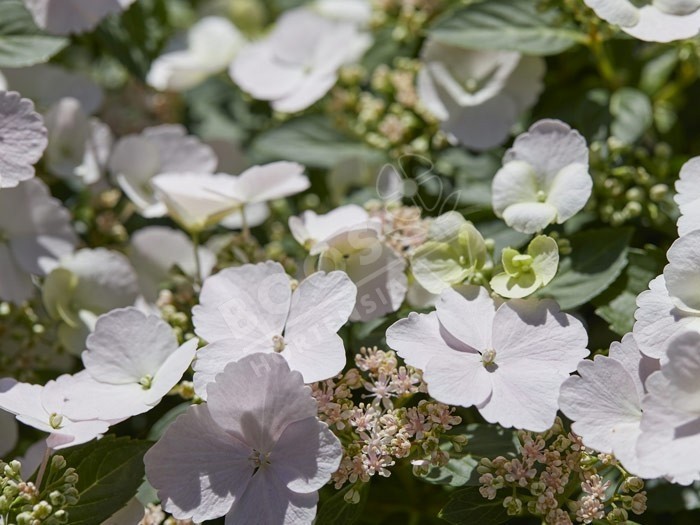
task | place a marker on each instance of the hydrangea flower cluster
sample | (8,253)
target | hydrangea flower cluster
(319,261)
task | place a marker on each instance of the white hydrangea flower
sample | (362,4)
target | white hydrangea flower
(47,84)
(478,95)
(508,360)
(35,231)
(63,17)
(688,196)
(79,146)
(605,401)
(298,62)
(252,308)
(132,361)
(651,20)
(85,285)
(155,250)
(9,433)
(255,452)
(22,139)
(197,201)
(168,148)
(347,239)
(670,440)
(544,178)
(210,46)
(41,407)
(669,307)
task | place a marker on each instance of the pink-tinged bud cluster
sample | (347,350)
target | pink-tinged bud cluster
(560,481)
(382,429)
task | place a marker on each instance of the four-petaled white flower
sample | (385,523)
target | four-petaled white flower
(605,401)
(136,159)
(298,62)
(23,139)
(63,17)
(478,95)
(132,361)
(35,231)
(85,285)
(210,46)
(670,305)
(197,201)
(252,308)
(651,20)
(508,360)
(347,239)
(544,178)
(255,452)
(79,146)
(41,407)
(670,437)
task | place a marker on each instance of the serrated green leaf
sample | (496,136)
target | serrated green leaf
(21,42)
(515,25)
(469,507)
(597,258)
(485,441)
(110,471)
(337,511)
(312,141)
(632,112)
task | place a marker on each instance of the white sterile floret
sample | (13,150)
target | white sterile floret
(670,306)
(9,433)
(253,308)
(255,452)
(688,196)
(670,440)
(651,20)
(42,407)
(509,359)
(298,62)
(347,239)
(132,361)
(136,159)
(79,146)
(209,47)
(197,201)
(85,285)
(544,178)
(62,17)
(35,231)
(478,95)
(155,250)
(22,139)
(605,401)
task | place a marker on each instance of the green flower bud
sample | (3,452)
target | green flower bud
(525,273)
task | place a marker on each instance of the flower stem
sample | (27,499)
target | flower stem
(42,468)
(244,223)
(197,262)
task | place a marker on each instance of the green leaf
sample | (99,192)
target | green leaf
(110,471)
(597,258)
(468,507)
(485,441)
(619,311)
(337,511)
(632,112)
(21,42)
(311,140)
(515,25)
